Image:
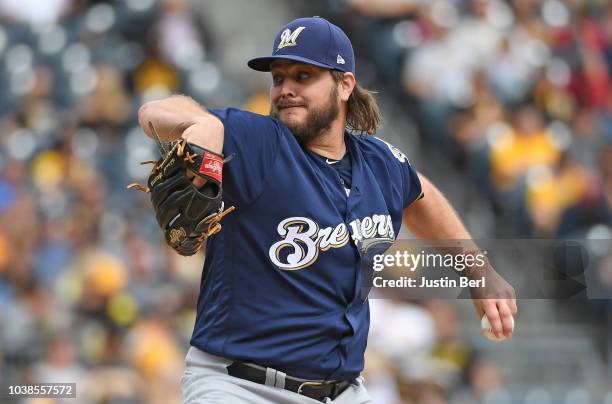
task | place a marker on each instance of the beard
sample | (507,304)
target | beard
(317,120)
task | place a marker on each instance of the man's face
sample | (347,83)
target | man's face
(304,97)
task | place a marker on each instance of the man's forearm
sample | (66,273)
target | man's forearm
(180,116)
(433,218)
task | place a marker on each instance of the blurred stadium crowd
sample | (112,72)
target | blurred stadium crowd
(516,94)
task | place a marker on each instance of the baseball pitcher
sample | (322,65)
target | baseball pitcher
(284,205)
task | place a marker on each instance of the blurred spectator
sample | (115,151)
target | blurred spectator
(179,38)
(587,140)
(521,147)
(595,206)
(108,103)
(551,190)
(156,75)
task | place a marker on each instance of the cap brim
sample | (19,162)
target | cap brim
(262,64)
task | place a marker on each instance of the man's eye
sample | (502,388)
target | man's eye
(303,75)
(277,79)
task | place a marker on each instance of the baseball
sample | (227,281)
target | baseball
(487,329)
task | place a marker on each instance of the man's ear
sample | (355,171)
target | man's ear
(346,86)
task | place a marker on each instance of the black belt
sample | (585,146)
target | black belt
(317,390)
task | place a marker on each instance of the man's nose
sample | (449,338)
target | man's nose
(287,89)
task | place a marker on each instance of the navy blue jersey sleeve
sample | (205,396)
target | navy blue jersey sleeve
(412,184)
(254,139)
(412,189)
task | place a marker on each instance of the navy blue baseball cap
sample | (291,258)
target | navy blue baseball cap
(312,40)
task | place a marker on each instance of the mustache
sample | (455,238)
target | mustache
(288,104)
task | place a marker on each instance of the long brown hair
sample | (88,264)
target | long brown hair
(363,114)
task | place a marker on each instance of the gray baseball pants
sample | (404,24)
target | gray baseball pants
(206,382)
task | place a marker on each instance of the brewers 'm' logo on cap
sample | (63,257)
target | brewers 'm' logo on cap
(311,40)
(289,38)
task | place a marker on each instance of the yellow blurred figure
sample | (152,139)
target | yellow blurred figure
(518,149)
(48,169)
(105,273)
(153,351)
(550,192)
(4,251)
(154,73)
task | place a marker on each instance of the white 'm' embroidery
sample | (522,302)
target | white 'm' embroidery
(289,38)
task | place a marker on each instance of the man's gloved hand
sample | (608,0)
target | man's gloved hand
(187,215)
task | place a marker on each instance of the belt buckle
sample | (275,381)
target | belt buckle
(309,383)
